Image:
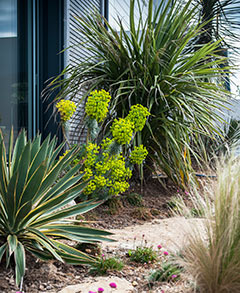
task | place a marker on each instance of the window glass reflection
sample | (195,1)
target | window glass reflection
(13,65)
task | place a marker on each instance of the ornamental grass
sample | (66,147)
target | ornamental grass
(213,257)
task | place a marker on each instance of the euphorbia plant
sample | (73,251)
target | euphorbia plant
(34,214)
(108,159)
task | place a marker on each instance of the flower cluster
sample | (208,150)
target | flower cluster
(97,104)
(66,109)
(138,155)
(138,115)
(122,130)
(112,285)
(105,170)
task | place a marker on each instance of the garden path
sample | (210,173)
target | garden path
(170,233)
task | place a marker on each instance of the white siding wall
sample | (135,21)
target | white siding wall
(76,54)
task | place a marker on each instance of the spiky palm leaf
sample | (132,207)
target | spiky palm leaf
(222,21)
(33,201)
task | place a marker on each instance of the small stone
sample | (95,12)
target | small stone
(41,287)
(134,283)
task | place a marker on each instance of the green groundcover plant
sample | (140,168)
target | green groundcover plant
(34,198)
(156,63)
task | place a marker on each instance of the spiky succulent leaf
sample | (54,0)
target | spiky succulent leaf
(34,203)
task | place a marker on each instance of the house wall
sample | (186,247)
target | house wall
(76,54)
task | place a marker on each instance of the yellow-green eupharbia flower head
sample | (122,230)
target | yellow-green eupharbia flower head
(138,115)
(122,130)
(138,155)
(97,105)
(66,109)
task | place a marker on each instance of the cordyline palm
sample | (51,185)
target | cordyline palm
(34,210)
(156,65)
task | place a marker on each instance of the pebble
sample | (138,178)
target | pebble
(134,283)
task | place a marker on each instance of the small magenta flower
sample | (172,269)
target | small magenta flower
(159,246)
(178,190)
(186,192)
(100,290)
(103,255)
(92,292)
(165,253)
(174,276)
(162,291)
(113,285)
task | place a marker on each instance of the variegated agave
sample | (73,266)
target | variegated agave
(34,214)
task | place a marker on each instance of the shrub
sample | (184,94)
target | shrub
(212,256)
(135,199)
(33,204)
(104,265)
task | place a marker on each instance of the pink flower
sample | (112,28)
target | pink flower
(165,253)
(92,292)
(113,285)
(100,290)
(162,291)
(186,192)
(178,190)
(174,276)
(103,255)
(159,246)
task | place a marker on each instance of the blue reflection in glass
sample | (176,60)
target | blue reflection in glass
(8,18)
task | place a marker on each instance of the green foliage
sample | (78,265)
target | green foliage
(155,63)
(212,253)
(135,199)
(114,204)
(221,23)
(168,272)
(143,254)
(104,265)
(34,198)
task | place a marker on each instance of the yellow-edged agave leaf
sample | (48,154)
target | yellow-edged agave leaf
(79,208)
(40,156)
(35,146)
(12,243)
(71,252)
(17,150)
(3,250)
(33,197)
(20,262)
(3,174)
